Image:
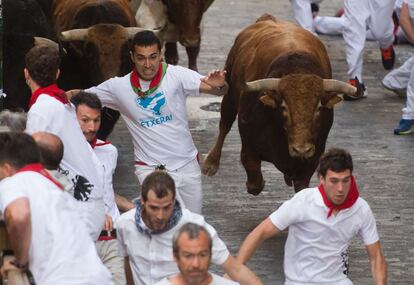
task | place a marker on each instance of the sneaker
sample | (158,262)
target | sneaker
(404,127)
(314,9)
(340,12)
(388,57)
(401,92)
(361,90)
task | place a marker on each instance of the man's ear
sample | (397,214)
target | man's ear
(26,73)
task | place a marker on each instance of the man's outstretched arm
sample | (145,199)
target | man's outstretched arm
(378,264)
(262,232)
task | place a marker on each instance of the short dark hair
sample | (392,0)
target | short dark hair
(18,149)
(160,182)
(91,100)
(51,150)
(145,38)
(335,159)
(193,231)
(43,62)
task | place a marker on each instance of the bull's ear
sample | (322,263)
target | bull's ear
(332,101)
(268,101)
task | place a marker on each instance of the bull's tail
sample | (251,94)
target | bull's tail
(266,17)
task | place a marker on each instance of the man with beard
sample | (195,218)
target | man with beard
(145,235)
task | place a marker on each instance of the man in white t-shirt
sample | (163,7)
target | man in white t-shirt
(88,112)
(152,101)
(145,236)
(45,235)
(51,112)
(322,221)
(192,252)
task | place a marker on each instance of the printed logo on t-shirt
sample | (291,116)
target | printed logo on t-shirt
(345,262)
(153,103)
(83,188)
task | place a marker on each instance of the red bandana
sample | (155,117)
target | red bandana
(350,200)
(38,167)
(51,90)
(94,143)
(155,82)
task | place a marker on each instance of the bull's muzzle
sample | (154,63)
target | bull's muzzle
(305,150)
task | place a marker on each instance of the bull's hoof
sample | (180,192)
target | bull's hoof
(254,189)
(210,166)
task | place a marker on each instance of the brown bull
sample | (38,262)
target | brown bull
(96,33)
(184,26)
(280,88)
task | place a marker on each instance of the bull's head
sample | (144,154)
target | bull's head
(187,15)
(300,99)
(103,47)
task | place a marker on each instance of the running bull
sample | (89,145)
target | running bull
(282,92)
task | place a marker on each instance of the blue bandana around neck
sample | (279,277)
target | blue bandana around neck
(172,222)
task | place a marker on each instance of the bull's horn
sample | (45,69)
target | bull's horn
(332,85)
(39,41)
(74,35)
(133,30)
(263,84)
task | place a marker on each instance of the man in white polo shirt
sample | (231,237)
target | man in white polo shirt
(51,112)
(322,221)
(192,251)
(45,235)
(145,236)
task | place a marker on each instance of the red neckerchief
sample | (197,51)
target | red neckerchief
(38,167)
(51,90)
(94,143)
(350,200)
(155,82)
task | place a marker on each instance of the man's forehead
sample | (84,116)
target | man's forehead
(146,50)
(340,174)
(85,110)
(195,244)
(152,198)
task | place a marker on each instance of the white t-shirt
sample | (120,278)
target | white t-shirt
(158,124)
(217,280)
(108,155)
(316,249)
(79,161)
(61,251)
(151,257)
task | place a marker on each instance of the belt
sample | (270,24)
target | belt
(107,235)
(160,166)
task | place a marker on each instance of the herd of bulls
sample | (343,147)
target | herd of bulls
(279,74)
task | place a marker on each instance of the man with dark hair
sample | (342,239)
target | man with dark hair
(51,112)
(192,246)
(322,221)
(88,112)
(40,223)
(145,235)
(152,101)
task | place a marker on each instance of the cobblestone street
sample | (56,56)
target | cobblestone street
(384,163)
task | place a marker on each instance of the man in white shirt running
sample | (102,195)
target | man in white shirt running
(44,235)
(152,101)
(322,221)
(88,112)
(51,112)
(192,252)
(145,236)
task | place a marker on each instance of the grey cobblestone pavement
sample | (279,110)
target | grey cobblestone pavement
(384,163)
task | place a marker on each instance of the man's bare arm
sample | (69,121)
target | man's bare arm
(378,264)
(239,272)
(19,228)
(262,232)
